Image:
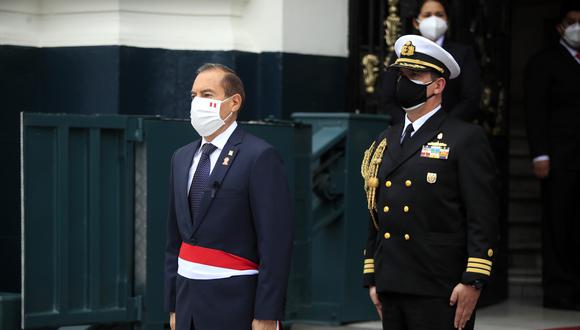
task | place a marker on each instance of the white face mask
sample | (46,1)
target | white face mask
(205,115)
(572,35)
(433,27)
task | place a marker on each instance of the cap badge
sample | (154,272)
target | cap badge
(408,49)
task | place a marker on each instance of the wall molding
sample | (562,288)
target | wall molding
(295,26)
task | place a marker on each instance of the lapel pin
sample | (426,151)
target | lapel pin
(230,153)
(439,136)
(226,161)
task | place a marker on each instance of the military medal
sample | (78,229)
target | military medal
(435,150)
(226,161)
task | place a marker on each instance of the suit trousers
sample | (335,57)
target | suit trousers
(215,304)
(411,312)
(561,229)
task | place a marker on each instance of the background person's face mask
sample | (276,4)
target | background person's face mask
(205,115)
(433,27)
(572,35)
(412,94)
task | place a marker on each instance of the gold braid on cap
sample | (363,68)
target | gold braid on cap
(369,170)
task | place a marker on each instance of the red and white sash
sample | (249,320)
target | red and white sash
(200,263)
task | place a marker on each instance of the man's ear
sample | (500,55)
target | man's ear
(236,102)
(439,86)
(559,29)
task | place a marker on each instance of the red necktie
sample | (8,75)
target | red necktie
(578,55)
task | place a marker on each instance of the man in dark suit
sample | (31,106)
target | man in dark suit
(229,233)
(431,190)
(552,104)
(462,95)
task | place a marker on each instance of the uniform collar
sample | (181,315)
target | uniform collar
(420,121)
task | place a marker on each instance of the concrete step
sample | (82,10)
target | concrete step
(525,256)
(518,220)
(522,235)
(524,207)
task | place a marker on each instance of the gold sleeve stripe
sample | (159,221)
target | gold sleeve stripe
(483,261)
(369,261)
(477,270)
(368,271)
(369,267)
(478,265)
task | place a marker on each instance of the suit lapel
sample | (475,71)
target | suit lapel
(182,185)
(425,134)
(221,168)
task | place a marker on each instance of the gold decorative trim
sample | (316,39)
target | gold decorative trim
(478,265)
(369,261)
(368,271)
(369,171)
(480,271)
(392,25)
(370,64)
(479,260)
(404,60)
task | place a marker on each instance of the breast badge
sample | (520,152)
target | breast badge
(431,177)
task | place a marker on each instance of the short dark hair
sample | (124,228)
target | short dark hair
(568,6)
(443,3)
(231,83)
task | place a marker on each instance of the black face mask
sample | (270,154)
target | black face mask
(411,95)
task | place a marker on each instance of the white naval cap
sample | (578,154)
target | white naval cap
(419,53)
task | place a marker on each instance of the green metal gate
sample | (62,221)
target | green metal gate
(77,213)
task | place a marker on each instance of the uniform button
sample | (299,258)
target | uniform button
(387,235)
(408,183)
(386,209)
(388,184)
(406,209)
(407,237)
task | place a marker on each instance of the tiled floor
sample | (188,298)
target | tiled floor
(510,315)
(514,314)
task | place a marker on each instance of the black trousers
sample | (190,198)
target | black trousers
(411,312)
(561,235)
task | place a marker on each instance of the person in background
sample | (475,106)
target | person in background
(462,95)
(552,111)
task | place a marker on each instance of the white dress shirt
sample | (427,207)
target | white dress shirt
(420,121)
(219,142)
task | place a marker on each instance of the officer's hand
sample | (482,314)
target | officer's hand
(263,325)
(542,168)
(465,297)
(375,299)
(172,321)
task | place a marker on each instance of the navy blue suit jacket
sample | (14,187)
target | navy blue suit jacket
(246,210)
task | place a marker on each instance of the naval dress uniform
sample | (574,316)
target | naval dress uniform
(433,209)
(228,263)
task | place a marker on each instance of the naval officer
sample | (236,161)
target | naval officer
(431,191)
